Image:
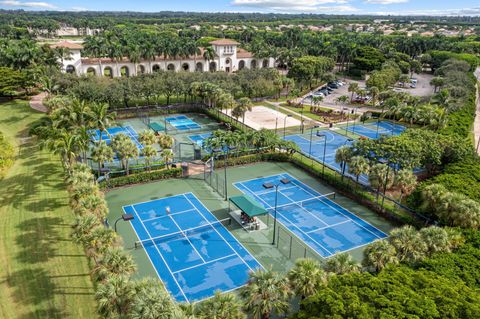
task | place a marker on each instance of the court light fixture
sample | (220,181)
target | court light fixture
(125,218)
(269,185)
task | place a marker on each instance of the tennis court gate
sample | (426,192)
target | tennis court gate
(291,246)
(213,178)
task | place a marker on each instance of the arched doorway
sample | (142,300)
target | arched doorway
(91,71)
(140,69)
(199,67)
(228,65)
(253,64)
(70,69)
(212,67)
(185,67)
(108,72)
(124,71)
(265,64)
(156,68)
(241,64)
(171,67)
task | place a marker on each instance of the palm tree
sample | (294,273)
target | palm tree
(306,277)
(353,88)
(165,141)
(406,181)
(221,306)
(152,301)
(83,227)
(379,254)
(342,156)
(341,264)
(115,262)
(343,99)
(209,55)
(167,155)
(378,175)
(358,165)
(102,153)
(437,239)
(437,82)
(100,239)
(115,297)
(100,118)
(374,92)
(245,104)
(134,55)
(266,292)
(408,243)
(125,149)
(147,137)
(66,145)
(442,98)
(92,204)
(149,152)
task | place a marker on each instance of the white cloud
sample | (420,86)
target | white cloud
(439,12)
(285,6)
(79,9)
(385,1)
(12,3)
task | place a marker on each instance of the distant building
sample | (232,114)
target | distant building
(228,58)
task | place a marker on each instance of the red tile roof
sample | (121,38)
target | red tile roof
(68,45)
(244,54)
(224,42)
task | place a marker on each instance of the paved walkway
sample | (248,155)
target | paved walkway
(36,102)
(476,126)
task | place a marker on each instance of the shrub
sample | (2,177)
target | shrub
(142,178)
(7,153)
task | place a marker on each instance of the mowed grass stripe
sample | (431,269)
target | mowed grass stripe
(42,273)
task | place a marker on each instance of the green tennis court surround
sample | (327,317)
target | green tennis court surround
(248,205)
(157,127)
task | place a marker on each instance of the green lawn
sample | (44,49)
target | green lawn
(42,273)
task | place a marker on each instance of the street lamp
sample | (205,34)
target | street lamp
(125,218)
(324,150)
(283,181)
(285,124)
(346,109)
(225,149)
(344,163)
(165,118)
(311,137)
(301,119)
(384,161)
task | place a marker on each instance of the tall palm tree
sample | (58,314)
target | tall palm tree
(83,227)
(358,165)
(378,175)
(341,264)
(406,181)
(134,55)
(149,152)
(92,204)
(167,155)
(101,154)
(306,277)
(437,239)
(152,301)
(147,137)
(66,145)
(408,243)
(165,141)
(379,254)
(125,149)
(209,55)
(353,88)
(343,156)
(115,262)
(374,92)
(115,297)
(101,239)
(222,306)
(100,118)
(266,292)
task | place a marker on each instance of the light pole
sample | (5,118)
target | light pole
(226,149)
(311,137)
(283,181)
(344,163)
(276,120)
(346,112)
(384,161)
(324,151)
(125,218)
(285,124)
(301,119)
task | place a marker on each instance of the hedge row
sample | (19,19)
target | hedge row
(7,154)
(142,177)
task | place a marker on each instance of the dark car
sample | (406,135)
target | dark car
(324,91)
(333,85)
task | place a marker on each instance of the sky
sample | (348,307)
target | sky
(394,7)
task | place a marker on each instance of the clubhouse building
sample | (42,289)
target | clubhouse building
(228,58)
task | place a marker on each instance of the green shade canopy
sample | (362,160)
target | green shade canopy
(157,127)
(248,205)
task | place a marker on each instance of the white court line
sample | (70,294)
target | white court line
(166,264)
(234,250)
(186,236)
(270,191)
(207,262)
(171,214)
(328,226)
(312,191)
(292,224)
(157,200)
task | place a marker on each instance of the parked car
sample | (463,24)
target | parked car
(333,85)
(339,83)
(324,92)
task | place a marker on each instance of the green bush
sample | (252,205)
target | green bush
(142,178)
(7,153)
(438,57)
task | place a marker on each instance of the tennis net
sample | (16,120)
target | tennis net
(182,233)
(307,202)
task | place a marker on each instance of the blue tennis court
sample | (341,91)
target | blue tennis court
(182,123)
(112,131)
(376,130)
(190,249)
(316,150)
(319,222)
(198,139)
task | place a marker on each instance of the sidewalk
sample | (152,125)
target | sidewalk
(36,103)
